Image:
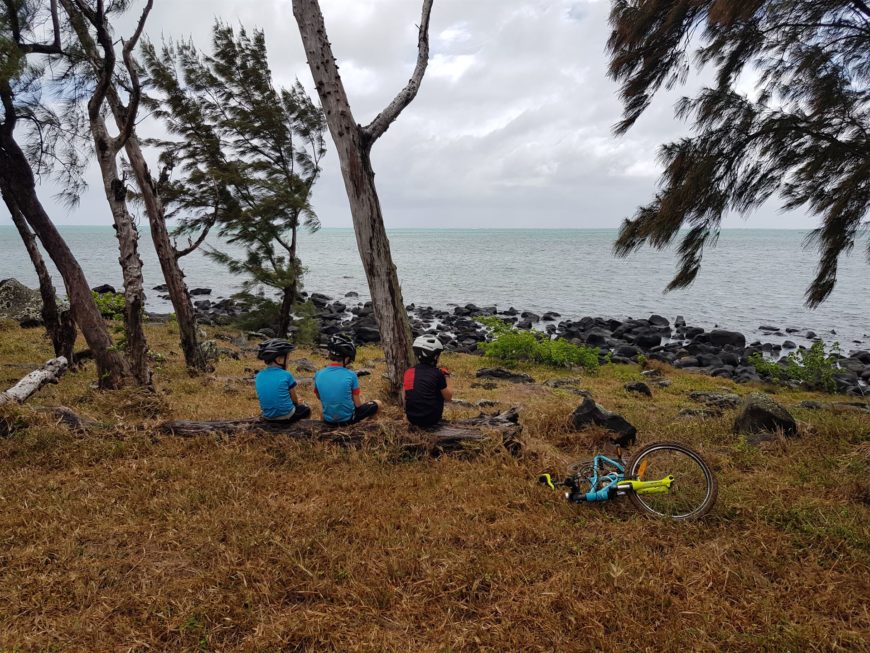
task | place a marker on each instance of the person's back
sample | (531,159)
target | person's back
(338,387)
(276,387)
(335,386)
(273,390)
(425,385)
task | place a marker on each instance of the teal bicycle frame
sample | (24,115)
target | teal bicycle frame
(614,482)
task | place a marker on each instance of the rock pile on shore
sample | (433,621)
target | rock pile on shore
(718,352)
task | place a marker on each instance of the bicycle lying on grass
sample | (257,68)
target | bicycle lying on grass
(664,479)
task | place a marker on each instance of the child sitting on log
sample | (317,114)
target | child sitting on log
(425,384)
(276,387)
(338,387)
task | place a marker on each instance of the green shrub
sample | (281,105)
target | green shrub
(110,304)
(812,367)
(307,330)
(514,345)
(263,312)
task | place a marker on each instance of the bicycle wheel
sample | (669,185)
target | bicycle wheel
(693,490)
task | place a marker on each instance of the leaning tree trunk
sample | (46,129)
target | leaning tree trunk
(288,294)
(287,299)
(166,254)
(125,117)
(131,263)
(59,324)
(354,143)
(16,179)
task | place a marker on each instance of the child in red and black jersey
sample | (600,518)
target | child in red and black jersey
(425,385)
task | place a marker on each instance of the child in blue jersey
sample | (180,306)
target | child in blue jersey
(276,387)
(338,387)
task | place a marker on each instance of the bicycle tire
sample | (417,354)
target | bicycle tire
(672,458)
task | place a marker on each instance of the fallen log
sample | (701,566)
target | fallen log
(31,383)
(446,436)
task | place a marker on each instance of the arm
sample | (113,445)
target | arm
(446,392)
(356,391)
(293,396)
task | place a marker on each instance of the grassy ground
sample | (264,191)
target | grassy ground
(123,540)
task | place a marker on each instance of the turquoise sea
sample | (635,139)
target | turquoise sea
(751,278)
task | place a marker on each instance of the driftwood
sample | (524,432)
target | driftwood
(31,383)
(446,436)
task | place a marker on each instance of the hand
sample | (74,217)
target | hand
(445,371)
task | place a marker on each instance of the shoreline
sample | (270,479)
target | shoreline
(717,352)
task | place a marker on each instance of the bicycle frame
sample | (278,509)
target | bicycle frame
(615,483)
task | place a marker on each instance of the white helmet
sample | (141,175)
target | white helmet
(427,347)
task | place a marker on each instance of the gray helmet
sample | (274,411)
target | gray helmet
(427,348)
(340,347)
(271,349)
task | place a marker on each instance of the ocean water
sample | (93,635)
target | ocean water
(751,278)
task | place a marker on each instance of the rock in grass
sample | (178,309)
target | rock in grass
(506,375)
(717,399)
(561,383)
(703,413)
(761,414)
(590,413)
(639,387)
(305,365)
(20,303)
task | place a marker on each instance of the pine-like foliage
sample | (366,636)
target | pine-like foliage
(801,134)
(246,154)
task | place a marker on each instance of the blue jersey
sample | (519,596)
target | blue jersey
(273,391)
(335,386)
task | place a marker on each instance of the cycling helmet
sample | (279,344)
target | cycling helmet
(340,347)
(427,348)
(271,349)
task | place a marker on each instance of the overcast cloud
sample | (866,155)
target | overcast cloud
(511,128)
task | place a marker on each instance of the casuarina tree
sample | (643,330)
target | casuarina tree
(98,58)
(22,62)
(802,133)
(354,143)
(122,99)
(245,158)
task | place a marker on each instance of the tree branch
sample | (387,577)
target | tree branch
(40,48)
(861,6)
(374,130)
(193,245)
(136,85)
(103,68)
(9,117)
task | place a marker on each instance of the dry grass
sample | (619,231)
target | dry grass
(123,541)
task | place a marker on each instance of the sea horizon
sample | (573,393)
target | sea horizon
(751,277)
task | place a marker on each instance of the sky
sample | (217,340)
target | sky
(512,127)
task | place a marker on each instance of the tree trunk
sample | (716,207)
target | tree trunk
(16,180)
(353,145)
(131,263)
(289,296)
(166,254)
(59,324)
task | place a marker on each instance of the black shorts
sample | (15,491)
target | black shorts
(361,412)
(301,411)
